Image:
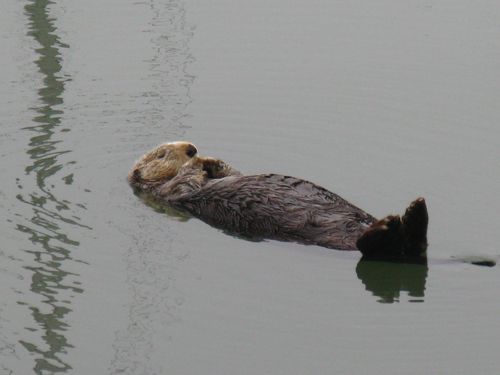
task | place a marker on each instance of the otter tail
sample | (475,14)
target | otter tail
(398,238)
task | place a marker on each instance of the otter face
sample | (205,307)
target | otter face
(161,164)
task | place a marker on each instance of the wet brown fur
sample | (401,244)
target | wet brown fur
(274,206)
(160,164)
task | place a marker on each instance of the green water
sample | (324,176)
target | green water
(379,102)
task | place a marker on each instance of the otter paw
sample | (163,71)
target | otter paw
(213,167)
(415,222)
(382,239)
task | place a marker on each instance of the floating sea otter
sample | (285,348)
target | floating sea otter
(275,206)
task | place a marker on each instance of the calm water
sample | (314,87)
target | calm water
(379,101)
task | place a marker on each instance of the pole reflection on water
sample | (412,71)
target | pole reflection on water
(151,266)
(50,215)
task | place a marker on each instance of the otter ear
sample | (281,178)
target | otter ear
(191,150)
(161,154)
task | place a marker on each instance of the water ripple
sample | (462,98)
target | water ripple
(44,218)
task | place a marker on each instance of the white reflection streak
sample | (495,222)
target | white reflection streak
(151,264)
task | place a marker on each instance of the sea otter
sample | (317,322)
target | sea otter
(275,206)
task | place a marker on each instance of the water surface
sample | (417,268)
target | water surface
(380,102)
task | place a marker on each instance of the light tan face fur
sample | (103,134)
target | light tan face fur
(162,163)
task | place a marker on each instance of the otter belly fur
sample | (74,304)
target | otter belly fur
(275,206)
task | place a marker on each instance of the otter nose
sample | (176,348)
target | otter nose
(191,151)
(134,177)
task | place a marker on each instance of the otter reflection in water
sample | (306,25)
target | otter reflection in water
(388,280)
(275,206)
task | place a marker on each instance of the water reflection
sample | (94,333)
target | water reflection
(388,279)
(170,82)
(50,217)
(159,206)
(384,279)
(151,265)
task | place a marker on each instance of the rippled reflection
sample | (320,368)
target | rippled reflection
(50,218)
(151,266)
(159,206)
(388,280)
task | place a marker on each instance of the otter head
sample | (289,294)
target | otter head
(160,164)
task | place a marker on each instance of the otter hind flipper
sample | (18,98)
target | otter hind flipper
(415,221)
(400,238)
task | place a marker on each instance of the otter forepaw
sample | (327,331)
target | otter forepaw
(213,167)
(217,168)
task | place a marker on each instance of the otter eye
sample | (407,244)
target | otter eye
(161,154)
(191,151)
